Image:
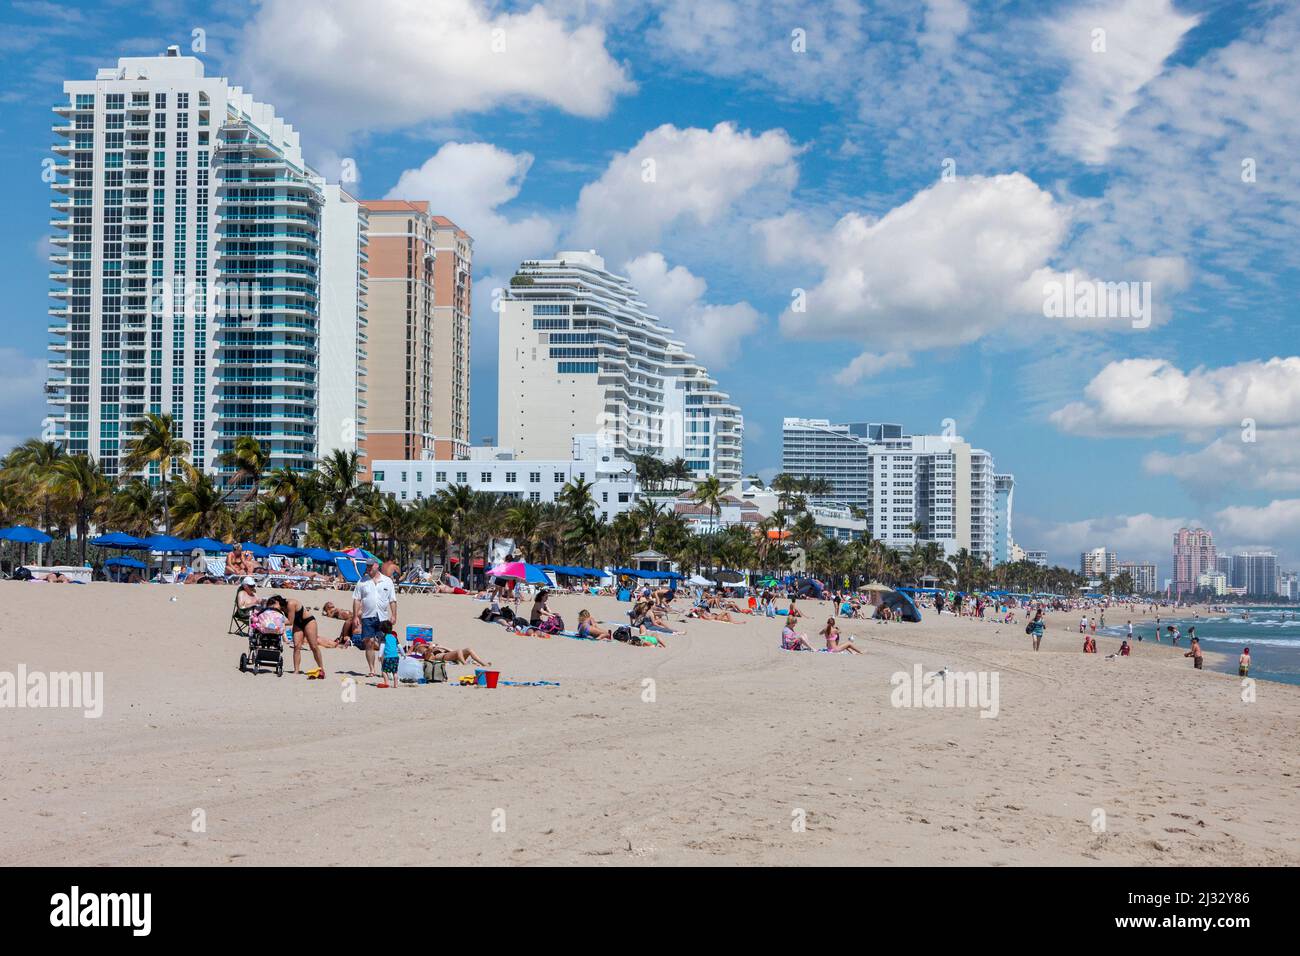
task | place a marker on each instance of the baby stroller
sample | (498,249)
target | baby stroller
(265,642)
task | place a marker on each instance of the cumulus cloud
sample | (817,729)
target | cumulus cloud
(1133,537)
(1265,459)
(673,175)
(1113,50)
(871,363)
(467,183)
(1278,520)
(347,66)
(676,295)
(1152,396)
(22,397)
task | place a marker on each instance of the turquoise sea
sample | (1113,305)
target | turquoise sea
(1271,632)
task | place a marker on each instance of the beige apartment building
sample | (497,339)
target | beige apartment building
(419,279)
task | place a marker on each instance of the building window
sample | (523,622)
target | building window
(559,477)
(534,477)
(485,477)
(379,476)
(510,477)
(439,476)
(462,477)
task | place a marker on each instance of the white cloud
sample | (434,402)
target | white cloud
(1113,51)
(672,175)
(870,363)
(958,260)
(22,397)
(1152,396)
(1133,537)
(945,21)
(1277,521)
(383,64)
(467,182)
(1269,461)
(713,332)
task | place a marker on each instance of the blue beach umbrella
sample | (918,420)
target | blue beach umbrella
(165,543)
(118,539)
(124,562)
(24,535)
(256,550)
(208,544)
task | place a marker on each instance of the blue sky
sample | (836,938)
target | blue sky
(916,175)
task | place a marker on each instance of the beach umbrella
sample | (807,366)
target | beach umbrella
(209,544)
(727,577)
(121,561)
(875,586)
(321,554)
(119,540)
(24,535)
(519,571)
(256,550)
(286,551)
(165,543)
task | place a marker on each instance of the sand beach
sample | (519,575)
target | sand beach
(718,749)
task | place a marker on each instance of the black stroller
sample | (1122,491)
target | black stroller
(265,649)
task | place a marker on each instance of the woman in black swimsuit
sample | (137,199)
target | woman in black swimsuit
(304,628)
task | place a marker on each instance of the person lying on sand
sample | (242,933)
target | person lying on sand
(833,643)
(704,614)
(436,652)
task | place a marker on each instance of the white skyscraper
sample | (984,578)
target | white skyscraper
(188,244)
(343,323)
(581,353)
(936,481)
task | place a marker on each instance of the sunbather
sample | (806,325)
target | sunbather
(833,642)
(590,629)
(436,652)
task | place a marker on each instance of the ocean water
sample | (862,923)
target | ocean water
(1272,633)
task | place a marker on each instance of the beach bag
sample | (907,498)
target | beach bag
(435,672)
(22,574)
(552,625)
(410,670)
(267,620)
(1029,628)
(489,615)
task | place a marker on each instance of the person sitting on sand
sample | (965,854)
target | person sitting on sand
(540,612)
(1243,663)
(587,628)
(1089,644)
(646,618)
(790,641)
(833,643)
(1198,659)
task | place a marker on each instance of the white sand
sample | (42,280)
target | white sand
(739,738)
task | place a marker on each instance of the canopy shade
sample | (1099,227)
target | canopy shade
(24,535)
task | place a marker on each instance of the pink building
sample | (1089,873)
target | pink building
(1194,554)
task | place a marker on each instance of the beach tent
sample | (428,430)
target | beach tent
(24,535)
(811,588)
(901,605)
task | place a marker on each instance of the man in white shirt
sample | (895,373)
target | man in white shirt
(374,603)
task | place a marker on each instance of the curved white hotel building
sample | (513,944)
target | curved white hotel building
(580,353)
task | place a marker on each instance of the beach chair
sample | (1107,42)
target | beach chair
(348,568)
(239,618)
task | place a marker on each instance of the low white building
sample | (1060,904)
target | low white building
(613,479)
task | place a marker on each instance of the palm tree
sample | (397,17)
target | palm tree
(77,481)
(155,443)
(648,515)
(577,496)
(286,485)
(340,474)
(250,463)
(523,522)
(710,492)
(199,509)
(29,466)
(678,472)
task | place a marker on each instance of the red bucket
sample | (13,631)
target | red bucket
(490,678)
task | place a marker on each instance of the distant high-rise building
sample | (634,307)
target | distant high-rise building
(188,258)
(1098,563)
(418,333)
(580,353)
(1143,574)
(938,482)
(1004,490)
(1194,553)
(1256,571)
